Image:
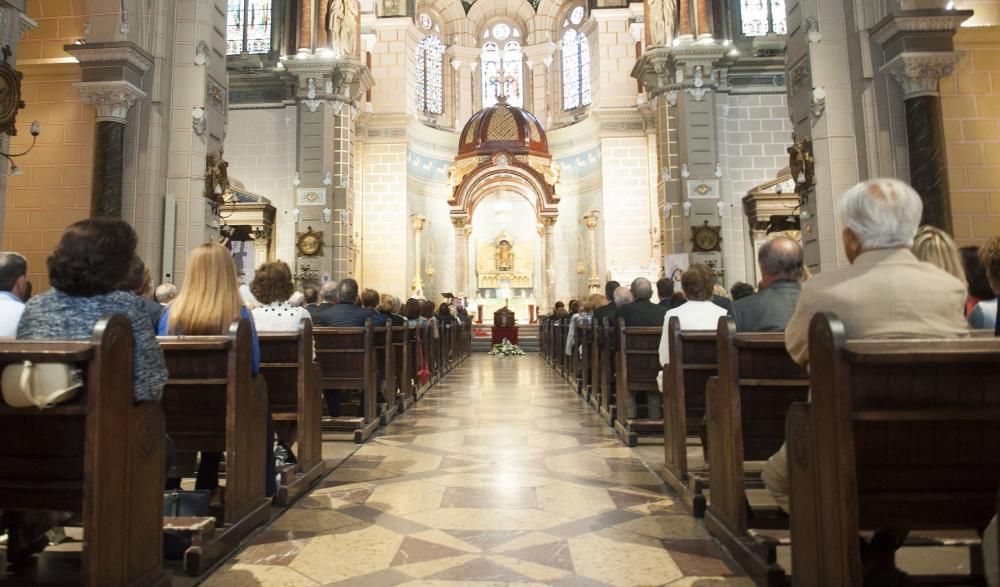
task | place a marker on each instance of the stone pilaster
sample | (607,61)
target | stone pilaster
(464,60)
(593,280)
(330,93)
(112,81)
(13,24)
(539,58)
(461,255)
(918,46)
(417,287)
(546,299)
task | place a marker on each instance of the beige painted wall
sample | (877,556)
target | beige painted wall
(53,190)
(971,104)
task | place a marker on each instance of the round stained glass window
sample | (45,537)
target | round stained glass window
(576,17)
(501,32)
(426,22)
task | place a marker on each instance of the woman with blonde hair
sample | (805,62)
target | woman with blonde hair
(208,303)
(933,245)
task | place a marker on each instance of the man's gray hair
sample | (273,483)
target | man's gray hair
(328,293)
(165,293)
(642,289)
(348,290)
(13,266)
(623,296)
(882,213)
(781,258)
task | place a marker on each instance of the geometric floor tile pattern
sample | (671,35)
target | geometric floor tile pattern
(499,476)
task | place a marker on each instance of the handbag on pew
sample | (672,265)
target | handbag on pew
(423,373)
(182,504)
(39,385)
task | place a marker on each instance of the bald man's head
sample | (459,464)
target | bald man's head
(780,258)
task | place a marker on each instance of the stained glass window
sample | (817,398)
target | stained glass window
(430,69)
(248,26)
(575,63)
(511,75)
(763,17)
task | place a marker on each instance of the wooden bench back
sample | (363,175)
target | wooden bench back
(693,361)
(101,455)
(400,338)
(211,403)
(758,382)
(899,433)
(346,357)
(608,376)
(638,362)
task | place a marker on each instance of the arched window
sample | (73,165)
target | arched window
(430,69)
(575,62)
(502,46)
(248,26)
(763,17)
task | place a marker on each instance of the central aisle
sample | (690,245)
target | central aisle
(499,475)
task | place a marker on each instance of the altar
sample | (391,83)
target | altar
(505,278)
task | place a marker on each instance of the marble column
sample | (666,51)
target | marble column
(417,287)
(549,267)
(593,281)
(684,30)
(918,75)
(112,101)
(461,255)
(704,20)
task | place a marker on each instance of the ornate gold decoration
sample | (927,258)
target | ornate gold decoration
(458,171)
(10,94)
(309,243)
(216,177)
(706,238)
(502,127)
(503,260)
(802,165)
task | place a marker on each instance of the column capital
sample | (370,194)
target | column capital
(459,223)
(112,100)
(685,67)
(548,222)
(590,220)
(918,73)
(418,222)
(344,79)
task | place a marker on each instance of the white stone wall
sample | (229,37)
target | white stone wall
(260,148)
(385,228)
(390,66)
(627,201)
(615,57)
(754,135)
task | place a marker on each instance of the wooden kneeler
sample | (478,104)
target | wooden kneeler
(212,403)
(101,454)
(287,364)
(638,364)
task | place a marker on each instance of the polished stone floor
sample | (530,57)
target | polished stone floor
(500,475)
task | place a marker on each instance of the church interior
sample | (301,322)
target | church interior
(495,154)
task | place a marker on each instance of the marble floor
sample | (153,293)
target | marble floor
(499,475)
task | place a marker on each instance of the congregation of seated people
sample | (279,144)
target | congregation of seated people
(903,281)
(94,272)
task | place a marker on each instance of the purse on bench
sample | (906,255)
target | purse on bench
(39,385)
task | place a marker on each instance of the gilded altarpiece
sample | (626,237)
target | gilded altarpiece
(504,263)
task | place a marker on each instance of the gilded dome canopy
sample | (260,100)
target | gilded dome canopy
(503,128)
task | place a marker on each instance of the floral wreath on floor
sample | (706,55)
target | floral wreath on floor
(506,349)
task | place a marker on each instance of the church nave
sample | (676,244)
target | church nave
(499,475)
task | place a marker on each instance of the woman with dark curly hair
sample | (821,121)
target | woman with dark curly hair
(272,286)
(86,270)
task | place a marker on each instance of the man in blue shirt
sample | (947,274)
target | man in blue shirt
(13,287)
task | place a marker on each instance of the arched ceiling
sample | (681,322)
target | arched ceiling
(537,23)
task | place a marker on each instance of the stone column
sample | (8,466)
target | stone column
(417,286)
(549,266)
(306,16)
(112,75)
(539,58)
(593,280)
(461,255)
(918,75)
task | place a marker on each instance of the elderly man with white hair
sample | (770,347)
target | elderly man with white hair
(885,292)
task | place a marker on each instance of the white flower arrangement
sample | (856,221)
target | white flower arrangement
(506,349)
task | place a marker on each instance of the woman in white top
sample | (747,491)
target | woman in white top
(272,286)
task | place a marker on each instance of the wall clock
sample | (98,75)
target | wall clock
(706,238)
(10,95)
(310,243)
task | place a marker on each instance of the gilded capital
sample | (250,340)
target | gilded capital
(418,222)
(590,220)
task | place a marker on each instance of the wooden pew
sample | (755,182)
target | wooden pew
(899,434)
(693,360)
(638,364)
(100,454)
(293,394)
(584,362)
(543,339)
(347,359)
(594,365)
(609,374)
(423,343)
(758,381)
(402,361)
(385,374)
(212,403)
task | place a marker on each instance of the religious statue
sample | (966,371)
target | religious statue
(216,177)
(342,22)
(504,257)
(801,165)
(660,21)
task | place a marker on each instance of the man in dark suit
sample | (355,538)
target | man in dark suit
(344,312)
(609,311)
(642,312)
(665,291)
(769,310)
